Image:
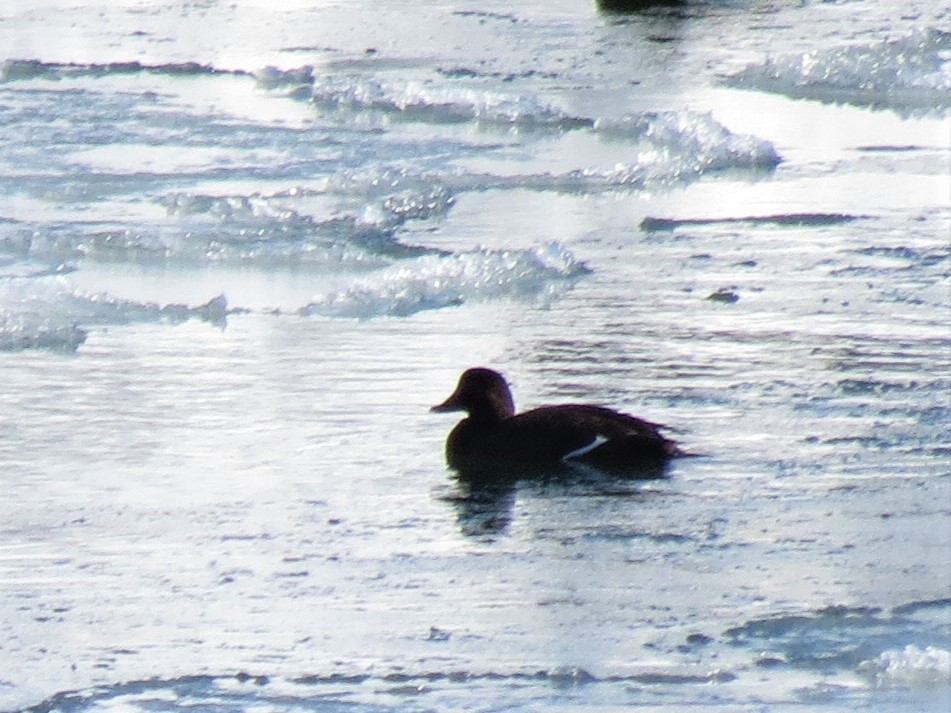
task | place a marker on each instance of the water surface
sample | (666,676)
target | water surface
(244,249)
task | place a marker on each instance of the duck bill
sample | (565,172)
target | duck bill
(450,404)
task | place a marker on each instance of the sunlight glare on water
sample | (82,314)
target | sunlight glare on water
(244,249)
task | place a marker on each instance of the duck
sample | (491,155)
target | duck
(493,435)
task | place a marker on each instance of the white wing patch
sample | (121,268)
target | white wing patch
(578,452)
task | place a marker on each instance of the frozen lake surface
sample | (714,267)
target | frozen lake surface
(244,249)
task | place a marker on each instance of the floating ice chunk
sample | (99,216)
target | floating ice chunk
(21,69)
(667,145)
(48,313)
(437,104)
(32,331)
(215,310)
(221,230)
(396,209)
(686,142)
(101,308)
(435,281)
(30,269)
(420,101)
(272,77)
(910,666)
(668,148)
(911,75)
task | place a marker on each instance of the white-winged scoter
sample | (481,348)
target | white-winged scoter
(550,435)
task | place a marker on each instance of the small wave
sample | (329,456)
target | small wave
(22,69)
(784,624)
(463,72)
(625,534)
(435,281)
(350,691)
(874,386)
(484,16)
(851,638)
(911,75)
(836,637)
(908,667)
(924,605)
(889,148)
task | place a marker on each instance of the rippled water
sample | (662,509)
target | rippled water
(244,249)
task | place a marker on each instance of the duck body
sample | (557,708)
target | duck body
(493,435)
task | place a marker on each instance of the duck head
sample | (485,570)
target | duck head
(483,394)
